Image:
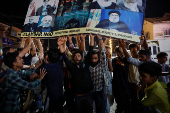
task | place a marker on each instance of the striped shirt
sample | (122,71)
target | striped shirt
(98,71)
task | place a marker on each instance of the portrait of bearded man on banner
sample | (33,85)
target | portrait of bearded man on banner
(31,24)
(103,4)
(113,23)
(49,7)
(132,5)
(45,24)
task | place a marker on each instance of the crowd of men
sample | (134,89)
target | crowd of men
(32,80)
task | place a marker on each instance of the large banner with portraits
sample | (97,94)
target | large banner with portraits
(113,18)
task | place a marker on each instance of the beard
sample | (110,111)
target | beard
(132,6)
(93,64)
(104,3)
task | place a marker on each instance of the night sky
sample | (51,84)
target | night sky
(16,10)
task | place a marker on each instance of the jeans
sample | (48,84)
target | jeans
(100,101)
(84,104)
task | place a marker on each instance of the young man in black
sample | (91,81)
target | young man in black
(81,76)
(120,82)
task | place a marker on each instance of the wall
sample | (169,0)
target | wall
(148,28)
(161,28)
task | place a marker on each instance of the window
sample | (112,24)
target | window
(150,50)
(154,50)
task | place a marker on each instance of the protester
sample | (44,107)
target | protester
(97,69)
(133,77)
(82,82)
(13,83)
(120,82)
(162,58)
(155,96)
(54,81)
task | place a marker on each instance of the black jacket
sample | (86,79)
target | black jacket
(122,27)
(81,76)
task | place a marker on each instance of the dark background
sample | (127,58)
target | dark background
(13,12)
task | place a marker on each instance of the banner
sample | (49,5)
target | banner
(113,18)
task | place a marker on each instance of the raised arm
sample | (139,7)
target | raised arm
(134,61)
(102,52)
(144,41)
(27,48)
(71,45)
(40,47)
(100,41)
(62,45)
(106,41)
(122,44)
(78,40)
(22,42)
(89,54)
(33,48)
(82,43)
(108,56)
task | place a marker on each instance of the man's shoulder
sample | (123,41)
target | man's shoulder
(105,20)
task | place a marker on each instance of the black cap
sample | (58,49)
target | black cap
(114,12)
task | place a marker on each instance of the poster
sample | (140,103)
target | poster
(114,18)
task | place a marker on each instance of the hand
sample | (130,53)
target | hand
(142,37)
(98,36)
(29,39)
(23,39)
(60,41)
(42,74)
(64,38)
(91,36)
(78,37)
(121,43)
(70,39)
(108,55)
(83,36)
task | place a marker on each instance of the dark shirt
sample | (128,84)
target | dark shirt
(106,24)
(50,9)
(81,76)
(53,79)
(30,27)
(120,71)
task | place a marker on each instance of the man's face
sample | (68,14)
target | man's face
(114,17)
(46,2)
(31,20)
(146,79)
(19,62)
(163,59)
(119,54)
(133,51)
(77,58)
(46,22)
(95,59)
(131,4)
(142,57)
